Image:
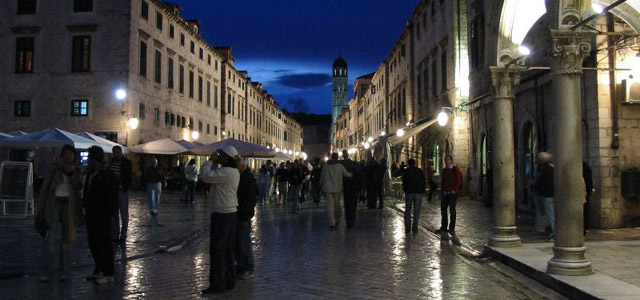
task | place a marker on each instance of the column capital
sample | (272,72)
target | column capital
(570,48)
(505,80)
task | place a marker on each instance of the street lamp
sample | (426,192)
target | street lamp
(523,52)
(224,133)
(370,139)
(400,132)
(304,156)
(366,146)
(195,135)
(121,94)
(443,118)
(382,133)
(133,123)
(277,149)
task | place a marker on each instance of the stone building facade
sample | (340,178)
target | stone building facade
(65,61)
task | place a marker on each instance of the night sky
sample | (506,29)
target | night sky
(290,45)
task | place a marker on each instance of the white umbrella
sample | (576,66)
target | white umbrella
(245,149)
(17,133)
(162,146)
(189,145)
(53,137)
(105,144)
(5,136)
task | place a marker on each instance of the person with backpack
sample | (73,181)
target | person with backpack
(414,185)
(451,184)
(247,198)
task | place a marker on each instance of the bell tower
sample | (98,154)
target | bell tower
(339,93)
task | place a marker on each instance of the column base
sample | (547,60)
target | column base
(505,237)
(569,261)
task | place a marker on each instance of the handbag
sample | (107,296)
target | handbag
(41,226)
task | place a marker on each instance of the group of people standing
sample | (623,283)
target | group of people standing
(97,197)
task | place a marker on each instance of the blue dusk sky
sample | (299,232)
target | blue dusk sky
(290,45)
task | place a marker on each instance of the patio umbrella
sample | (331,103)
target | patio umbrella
(5,136)
(245,149)
(162,146)
(105,144)
(17,133)
(48,138)
(189,145)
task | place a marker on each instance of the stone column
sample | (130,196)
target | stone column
(570,48)
(503,160)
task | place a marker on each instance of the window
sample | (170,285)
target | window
(200,88)
(208,59)
(434,78)
(201,54)
(192,48)
(191,80)
(159,20)
(79,108)
(215,130)
(173,119)
(24,54)
(208,93)
(208,128)
(81,54)
(200,126)
(156,115)
(26,7)
(182,39)
(443,71)
(216,64)
(179,121)
(158,67)
(144,10)
(167,118)
(477,42)
(22,108)
(141,111)
(181,79)
(82,5)
(425,81)
(170,73)
(172,31)
(215,96)
(183,121)
(143,59)
(228,103)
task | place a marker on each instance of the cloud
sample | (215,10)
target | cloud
(303,81)
(298,105)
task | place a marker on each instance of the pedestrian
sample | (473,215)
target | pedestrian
(450,187)
(543,191)
(191,173)
(224,191)
(351,186)
(296,177)
(316,173)
(433,185)
(413,185)
(369,174)
(588,185)
(331,184)
(282,177)
(58,206)
(381,180)
(306,171)
(247,196)
(100,203)
(264,181)
(362,195)
(271,168)
(155,176)
(121,167)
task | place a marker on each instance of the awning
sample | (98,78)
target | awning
(105,144)
(163,146)
(415,129)
(244,149)
(50,138)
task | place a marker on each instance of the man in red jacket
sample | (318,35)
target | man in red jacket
(451,184)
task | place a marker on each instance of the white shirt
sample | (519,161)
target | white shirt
(62,190)
(224,186)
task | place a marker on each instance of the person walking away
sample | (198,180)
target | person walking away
(264,181)
(247,198)
(155,176)
(433,185)
(451,184)
(224,191)
(588,182)
(58,206)
(121,167)
(413,185)
(380,179)
(351,186)
(100,203)
(191,173)
(296,177)
(282,177)
(370,175)
(543,191)
(331,184)
(316,173)
(271,192)
(306,171)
